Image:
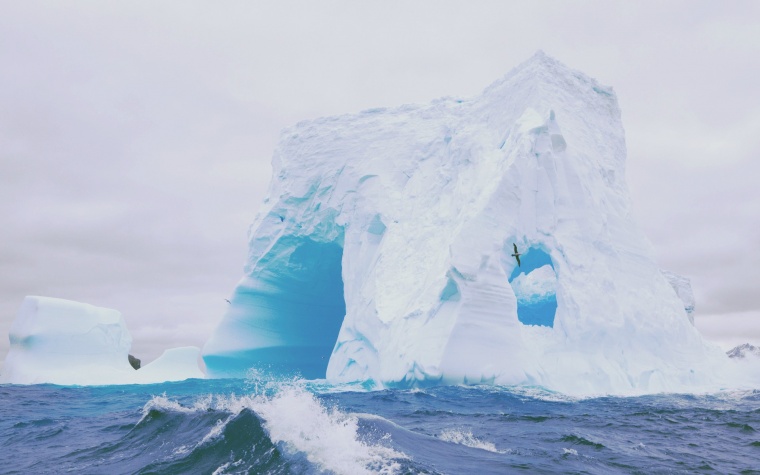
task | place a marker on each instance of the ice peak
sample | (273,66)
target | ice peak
(540,58)
(538,66)
(546,73)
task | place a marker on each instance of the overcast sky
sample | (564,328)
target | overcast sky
(136,136)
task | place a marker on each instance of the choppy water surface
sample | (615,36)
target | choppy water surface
(235,426)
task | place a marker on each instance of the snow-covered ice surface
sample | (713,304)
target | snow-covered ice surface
(71,343)
(383,251)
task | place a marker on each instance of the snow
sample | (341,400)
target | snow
(71,343)
(383,251)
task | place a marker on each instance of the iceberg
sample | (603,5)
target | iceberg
(383,252)
(64,342)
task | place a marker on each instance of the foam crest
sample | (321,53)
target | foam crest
(297,421)
(215,432)
(227,466)
(466,438)
(164,404)
(328,437)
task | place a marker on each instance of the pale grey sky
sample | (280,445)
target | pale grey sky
(135,137)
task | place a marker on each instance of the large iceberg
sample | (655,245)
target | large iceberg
(383,253)
(65,342)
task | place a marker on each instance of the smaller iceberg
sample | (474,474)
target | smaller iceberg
(64,342)
(173,365)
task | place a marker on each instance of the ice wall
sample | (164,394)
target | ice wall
(383,252)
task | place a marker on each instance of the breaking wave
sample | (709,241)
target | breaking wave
(291,427)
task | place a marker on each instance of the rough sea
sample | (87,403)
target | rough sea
(283,427)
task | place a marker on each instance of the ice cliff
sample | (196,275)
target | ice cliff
(383,251)
(682,287)
(65,342)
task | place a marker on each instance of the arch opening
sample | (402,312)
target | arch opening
(535,285)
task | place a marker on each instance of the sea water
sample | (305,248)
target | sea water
(281,427)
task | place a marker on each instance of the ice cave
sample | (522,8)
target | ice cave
(298,308)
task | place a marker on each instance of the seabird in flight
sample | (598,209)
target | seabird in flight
(516,255)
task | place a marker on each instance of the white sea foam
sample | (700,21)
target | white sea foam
(215,431)
(221,469)
(300,424)
(163,403)
(224,467)
(181,450)
(421,391)
(465,437)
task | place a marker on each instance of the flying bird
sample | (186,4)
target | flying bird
(228,301)
(516,255)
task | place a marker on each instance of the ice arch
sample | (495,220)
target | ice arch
(285,315)
(534,283)
(427,195)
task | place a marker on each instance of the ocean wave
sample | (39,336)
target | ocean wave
(327,436)
(298,423)
(287,426)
